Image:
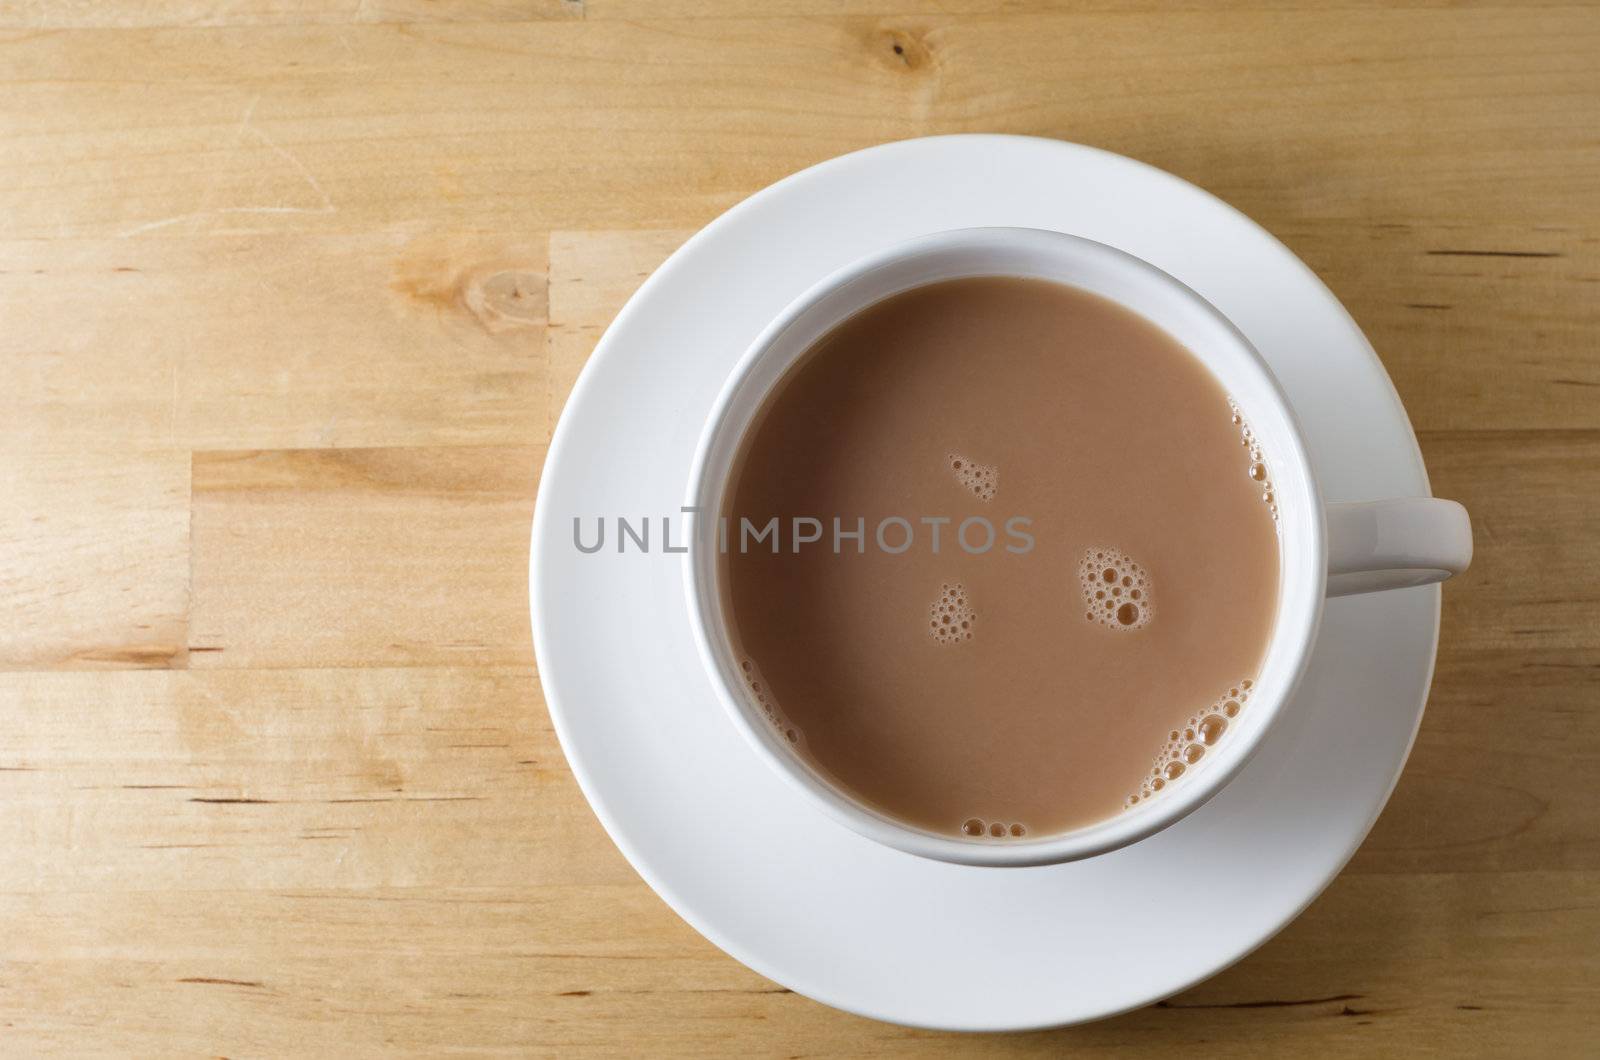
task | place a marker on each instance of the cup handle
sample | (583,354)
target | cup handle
(1393,544)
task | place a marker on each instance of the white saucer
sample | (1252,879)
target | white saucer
(801,899)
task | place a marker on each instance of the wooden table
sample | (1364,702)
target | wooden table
(290,297)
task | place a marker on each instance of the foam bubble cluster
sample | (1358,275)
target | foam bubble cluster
(1257,468)
(1116,590)
(761,692)
(951,619)
(1186,746)
(981,480)
(977,827)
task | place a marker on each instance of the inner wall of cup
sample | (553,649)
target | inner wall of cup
(1159,299)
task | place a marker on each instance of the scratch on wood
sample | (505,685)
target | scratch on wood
(220,982)
(287,156)
(196,215)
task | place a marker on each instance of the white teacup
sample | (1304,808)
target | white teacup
(1325,549)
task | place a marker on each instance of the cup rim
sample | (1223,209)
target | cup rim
(1104,836)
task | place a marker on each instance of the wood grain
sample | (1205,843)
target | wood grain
(1378,962)
(230,780)
(361,557)
(128,14)
(398,338)
(1482,326)
(292,295)
(95,571)
(86,14)
(1399,115)
(1532,584)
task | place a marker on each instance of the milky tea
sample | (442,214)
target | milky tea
(1104,641)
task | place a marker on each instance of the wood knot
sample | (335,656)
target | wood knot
(507,299)
(497,288)
(901,49)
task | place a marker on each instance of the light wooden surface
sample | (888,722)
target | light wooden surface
(290,296)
